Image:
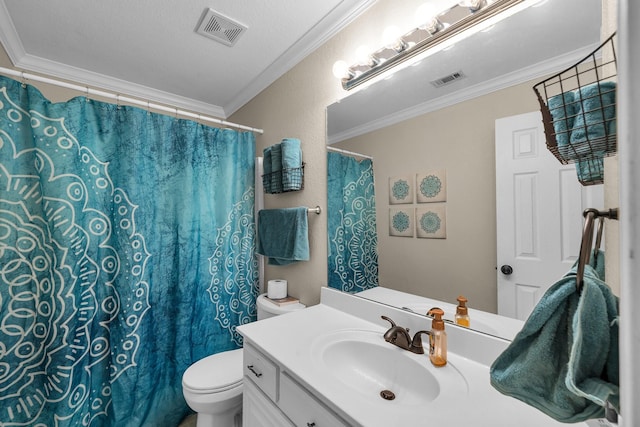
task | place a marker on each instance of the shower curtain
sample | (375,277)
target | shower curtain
(126,254)
(352,234)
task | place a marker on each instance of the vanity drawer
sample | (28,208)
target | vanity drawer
(304,409)
(262,371)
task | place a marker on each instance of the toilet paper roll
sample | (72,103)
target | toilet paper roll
(277,289)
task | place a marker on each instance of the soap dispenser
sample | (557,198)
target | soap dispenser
(462,313)
(438,339)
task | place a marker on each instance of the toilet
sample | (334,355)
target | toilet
(212,386)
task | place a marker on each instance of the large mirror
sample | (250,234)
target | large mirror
(409,126)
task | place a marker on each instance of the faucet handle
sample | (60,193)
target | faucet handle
(416,342)
(393,324)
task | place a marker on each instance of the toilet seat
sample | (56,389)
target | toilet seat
(214,374)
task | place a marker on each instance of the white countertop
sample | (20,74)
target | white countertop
(289,341)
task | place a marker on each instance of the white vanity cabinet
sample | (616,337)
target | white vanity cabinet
(272,398)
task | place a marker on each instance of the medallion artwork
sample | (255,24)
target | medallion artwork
(235,305)
(431,221)
(43,319)
(401,189)
(430,186)
(401,221)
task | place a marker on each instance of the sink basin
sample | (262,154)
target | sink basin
(364,362)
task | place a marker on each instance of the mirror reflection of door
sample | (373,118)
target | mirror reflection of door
(533,191)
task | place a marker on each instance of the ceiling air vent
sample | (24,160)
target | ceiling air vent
(220,28)
(448,79)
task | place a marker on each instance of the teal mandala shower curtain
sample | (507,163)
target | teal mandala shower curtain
(353,240)
(126,254)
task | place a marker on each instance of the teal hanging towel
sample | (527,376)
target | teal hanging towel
(564,361)
(283,235)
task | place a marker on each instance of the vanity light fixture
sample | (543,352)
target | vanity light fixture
(435,30)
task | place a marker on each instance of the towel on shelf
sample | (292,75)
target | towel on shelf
(563,113)
(276,168)
(291,164)
(283,235)
(266,172)
(591,170)
(595,121)
(596,114)
(564,360)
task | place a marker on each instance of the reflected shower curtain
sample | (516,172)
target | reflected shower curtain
(126,254)
(353,241)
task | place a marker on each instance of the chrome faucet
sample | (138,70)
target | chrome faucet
(399,336)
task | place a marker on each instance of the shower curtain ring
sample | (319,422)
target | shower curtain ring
(23,80)
(117,101)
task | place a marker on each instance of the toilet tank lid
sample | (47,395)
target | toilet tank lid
(217,372)
(269,307)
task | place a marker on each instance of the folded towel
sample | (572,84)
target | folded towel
(595,119)
(266,173)
(596,115)
(590,171)
(276,168)
(563,111)
(564,360)
(283,235)
(291,164)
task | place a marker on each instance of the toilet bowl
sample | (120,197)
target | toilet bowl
(212,386)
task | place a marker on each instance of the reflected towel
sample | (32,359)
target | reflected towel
(283,235)
(291,164)
(563,112)
(276,168)
(596,115)
(595,120)
(266,173)
(564,361)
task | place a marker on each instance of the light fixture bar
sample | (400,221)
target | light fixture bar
(432,40)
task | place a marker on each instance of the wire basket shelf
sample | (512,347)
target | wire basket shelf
(578,107)
(284,180)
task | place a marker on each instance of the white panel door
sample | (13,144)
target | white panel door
(539,204)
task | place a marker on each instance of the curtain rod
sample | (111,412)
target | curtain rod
(119,98)
(353,153)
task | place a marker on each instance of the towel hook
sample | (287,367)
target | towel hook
(590,216)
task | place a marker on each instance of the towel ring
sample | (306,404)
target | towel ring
(590,216)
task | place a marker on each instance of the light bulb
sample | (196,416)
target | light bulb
(390,36)
(341,70)
(363,55)
(392,39)
(425,13)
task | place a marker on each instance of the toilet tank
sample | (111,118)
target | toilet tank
(268,309)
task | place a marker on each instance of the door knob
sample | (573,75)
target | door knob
(506,269)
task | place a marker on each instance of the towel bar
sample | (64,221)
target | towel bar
(590,216)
